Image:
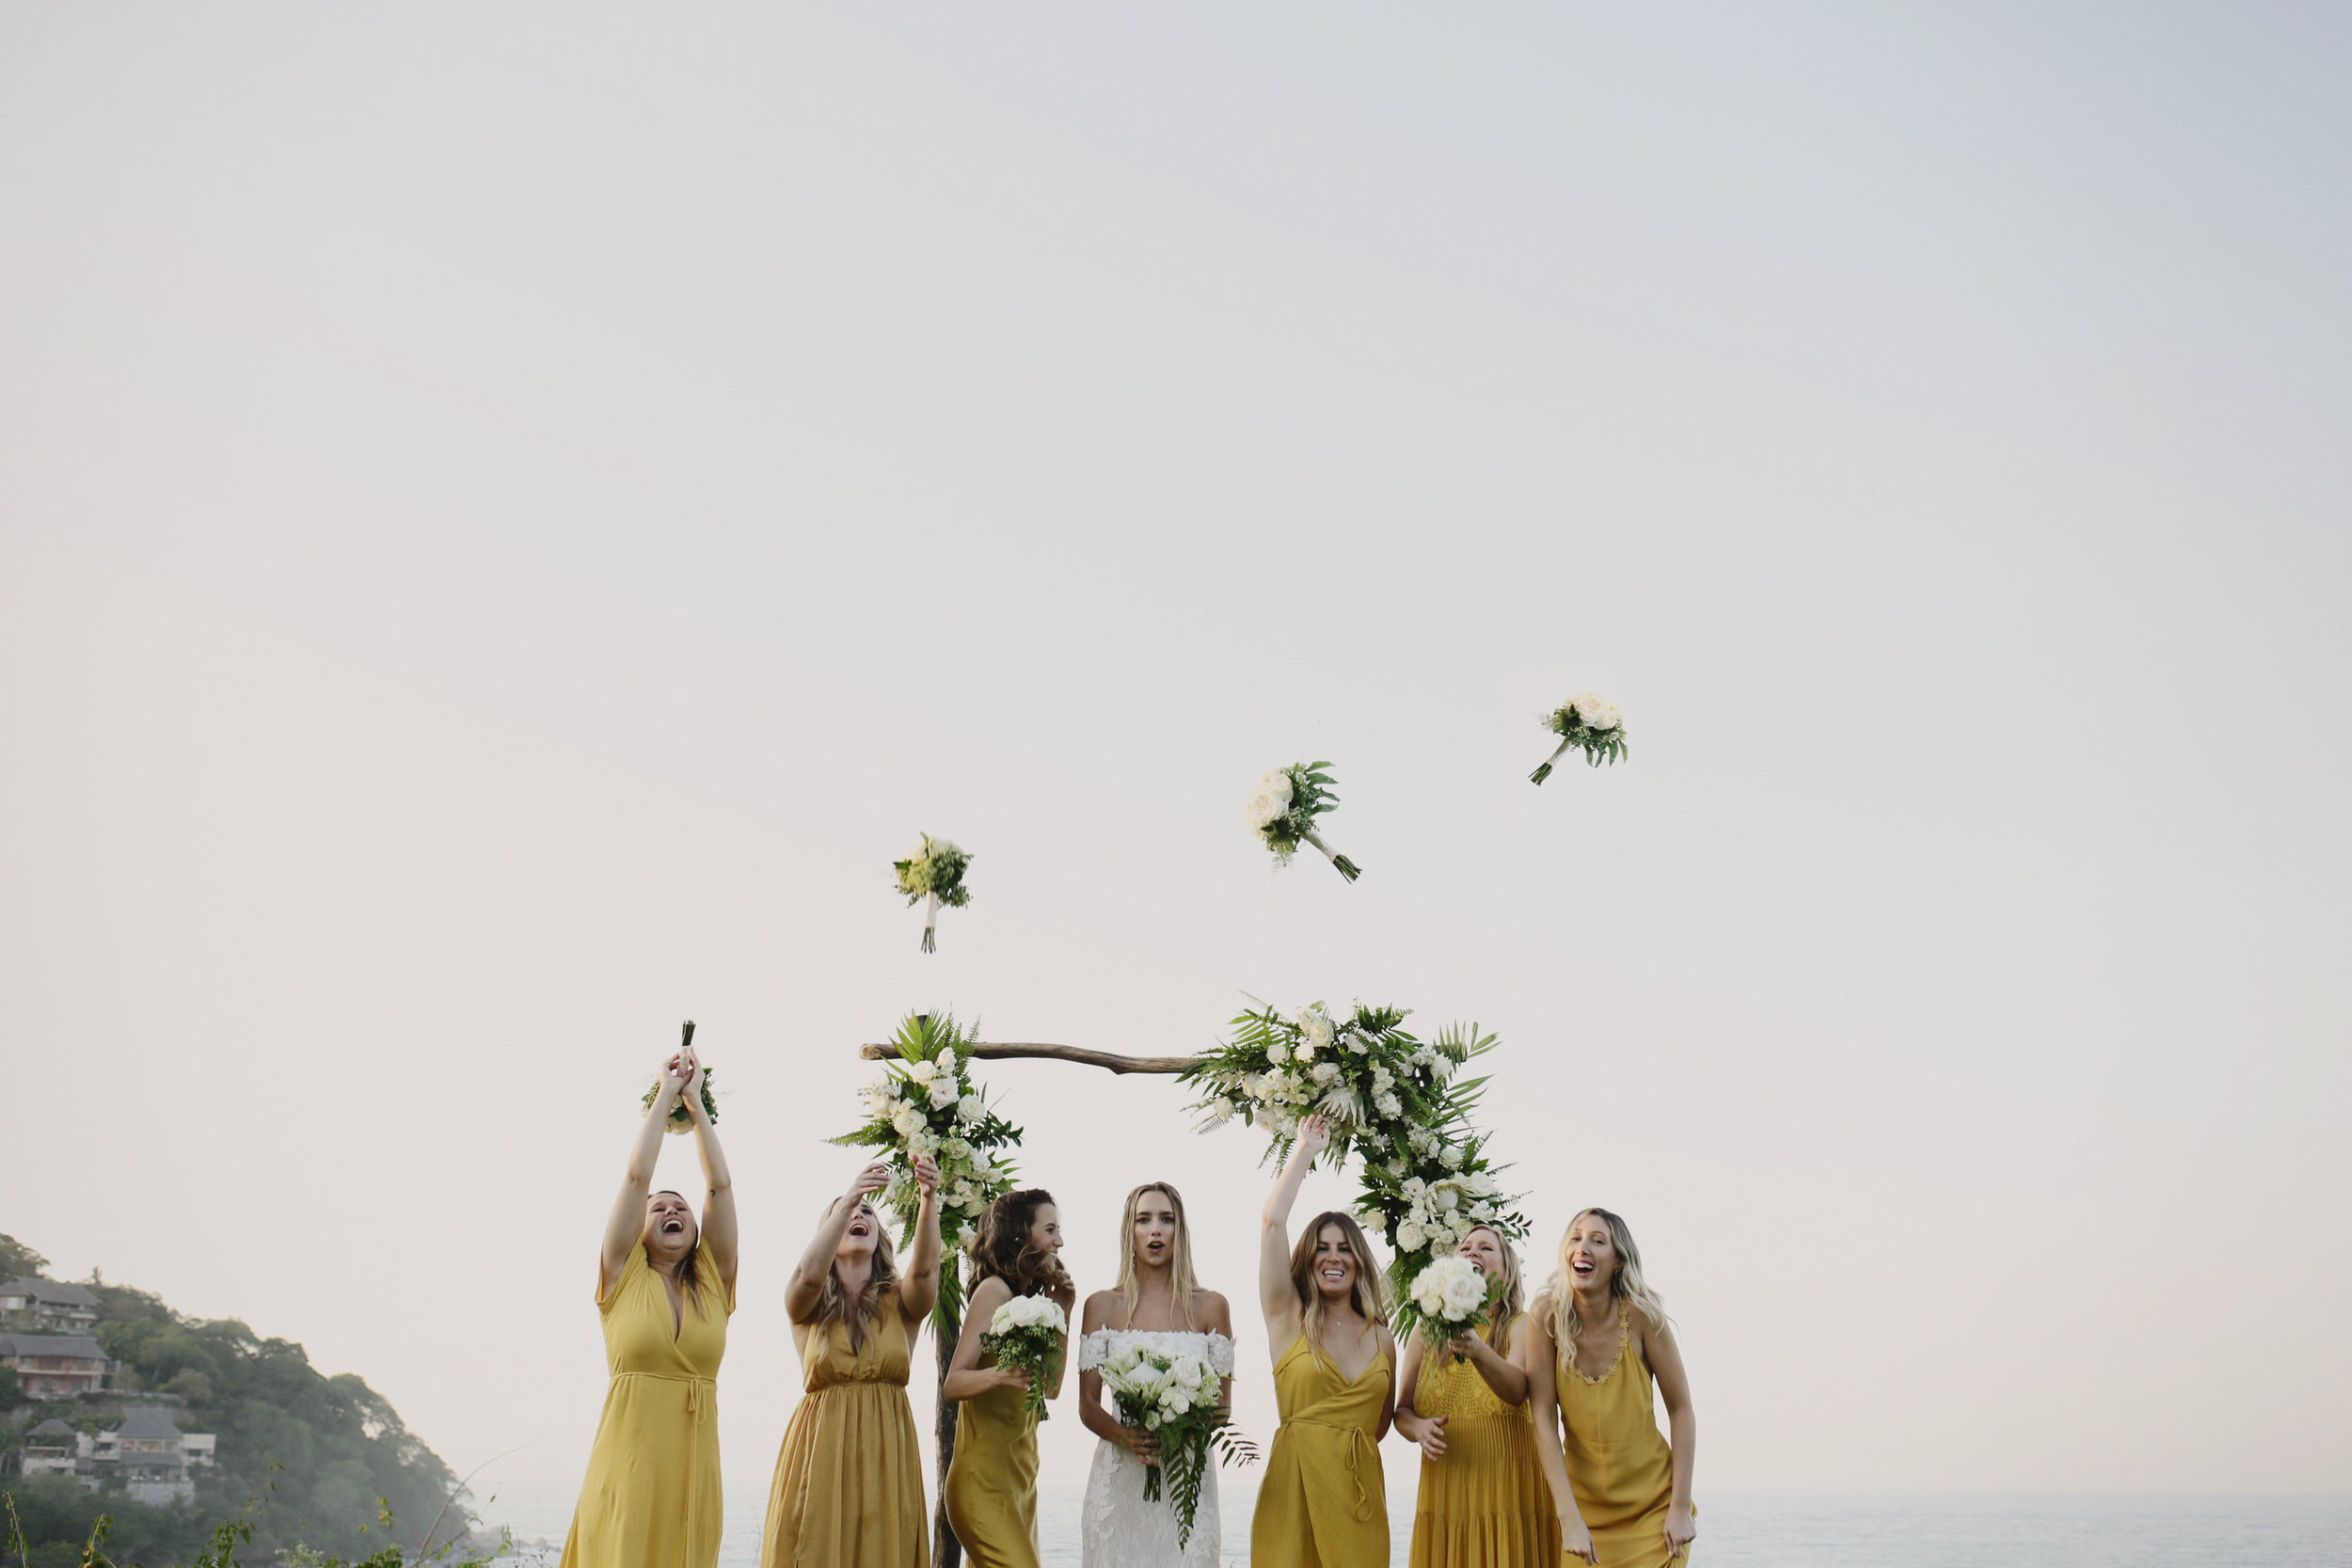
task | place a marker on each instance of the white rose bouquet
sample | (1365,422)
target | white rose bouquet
(1026,1332)
(933,875)
(1587,722)
(681,1119)
(1180,1399)
(926,1102)
(1392,1097)
(1453,1296)
(1283,808)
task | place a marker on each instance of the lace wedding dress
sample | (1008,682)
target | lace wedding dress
(1117,1527)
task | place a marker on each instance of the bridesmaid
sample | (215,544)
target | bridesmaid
(848,1486)
(1323,1503)
(665,1286)
(1595,1338)
(1484,1503)
(991,1491)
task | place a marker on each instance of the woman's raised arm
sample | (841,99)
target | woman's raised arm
(918,1292)
(626,1226)
(806,1287)
(719,1228)
(1276,1296)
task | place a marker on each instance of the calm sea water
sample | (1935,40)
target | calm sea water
(1760,1530)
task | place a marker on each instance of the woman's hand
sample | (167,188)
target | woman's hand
(1680,1532)
(1466,1345)
(926,1175)
(873,1178)
(1144,1444)
(1432,1438)
(677,1073)
(1576,1540)
(1007,1377)
(1315,1137)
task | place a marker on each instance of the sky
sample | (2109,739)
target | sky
(512,517)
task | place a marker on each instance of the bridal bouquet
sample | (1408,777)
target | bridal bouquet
(1284,809)
(1426,1182)
(1182,1399)
(682,1119)
(1453,1296)
(927,1103)
(1026,1332)
(934,875)
(1588,721)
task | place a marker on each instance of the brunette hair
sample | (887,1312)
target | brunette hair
(1365,1294)
(833,1303)
(1180,1276)
(1002,1248)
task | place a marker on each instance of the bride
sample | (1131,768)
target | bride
(1158,1303)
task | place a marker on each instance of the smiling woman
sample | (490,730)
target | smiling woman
(666,1286)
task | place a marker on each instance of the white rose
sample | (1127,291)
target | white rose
(1277,784)
(1451,1158)
(923,1073)
(943,1093)
(1317,1026)
(1596,713)
(1325,1071)
(1306,1053)
(908,1122)
(1466,1293)
(1278,1052)
(1410,1237)
(1264,809)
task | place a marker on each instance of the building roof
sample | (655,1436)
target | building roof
(51,1344)
(49,1290)
(53,1428)
(148,1420)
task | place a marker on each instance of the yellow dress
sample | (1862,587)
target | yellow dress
(1620,1465)
(848,1486)
(990,1492)
(651,1499)
(1324,1502)
(1486,1504)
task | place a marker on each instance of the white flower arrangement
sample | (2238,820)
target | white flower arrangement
(1180,1398)
(1454,1296)
(933,875)
(1392,1097)
(1586,721)
(1026,1332)
(1284,809)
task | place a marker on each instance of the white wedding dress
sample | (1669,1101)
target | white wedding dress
(1117,1527)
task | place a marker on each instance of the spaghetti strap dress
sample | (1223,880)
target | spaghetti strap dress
(652,1491)
(849,1485)
(1324,1502)
(1486,1504)
(991,1491)
(1620,1465)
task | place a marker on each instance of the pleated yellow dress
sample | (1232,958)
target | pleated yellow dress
(848,1486)
(1620,1465)
(652,1499)
(1486,1504)
(1324,1502)
(992,1481)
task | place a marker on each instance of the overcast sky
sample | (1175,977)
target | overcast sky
(512,517)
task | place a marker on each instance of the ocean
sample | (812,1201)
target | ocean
(1750,1529)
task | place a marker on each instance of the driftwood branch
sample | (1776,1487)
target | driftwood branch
(1104,1060)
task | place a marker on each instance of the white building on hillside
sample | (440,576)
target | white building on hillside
(61,1308)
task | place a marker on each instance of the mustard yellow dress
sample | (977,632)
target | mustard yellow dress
(651,1499)
(1486,1504)
(1324,1502)
(990,1492)
(848,1486)
(1620,1465)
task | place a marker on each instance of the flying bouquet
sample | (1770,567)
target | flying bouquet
(934,875)
(1588,721)
(682,1119)
(1454,1296)
(1284,809)
(1181,1399)
(1426,1182)
(927,1103)
(1026,1334)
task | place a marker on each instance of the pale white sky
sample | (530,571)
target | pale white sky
(510,518)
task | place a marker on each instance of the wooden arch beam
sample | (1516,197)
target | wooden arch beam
(1107,1061)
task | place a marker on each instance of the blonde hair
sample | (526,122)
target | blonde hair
(833,1303)
(1365,1294)
(1506,1311)
(1625,1285)
(1180,1276)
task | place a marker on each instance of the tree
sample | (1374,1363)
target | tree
(19,1262)
(11,1387)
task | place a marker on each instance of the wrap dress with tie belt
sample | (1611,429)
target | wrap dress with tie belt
(1324,1502)
(652,1492)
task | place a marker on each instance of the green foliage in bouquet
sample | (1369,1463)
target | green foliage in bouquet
(1284,809)
(926,1102)
(681,1119)
(1390,1099)
(932,876)
(1585,722)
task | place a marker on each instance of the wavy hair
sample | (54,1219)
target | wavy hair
(1506,1311)
(1002,1249)
(833,1302)
(1625,1285)
(1365,1294)
(1180,1276)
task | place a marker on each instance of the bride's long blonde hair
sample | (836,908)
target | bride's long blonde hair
(1180,1276)
(1625,1285)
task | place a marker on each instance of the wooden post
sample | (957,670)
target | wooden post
(946,1551)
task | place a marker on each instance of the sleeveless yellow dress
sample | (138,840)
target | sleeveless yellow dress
(1620,1465)
(652,1492)
(991,1491)
(848,1486)
(1486,1504)
(1324,1502)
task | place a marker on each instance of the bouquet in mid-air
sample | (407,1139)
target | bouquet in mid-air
(682,1119)
(1026,1332)
(933,875)
(1181,1400)
(1283,808)
(1454,1296)
(1588,722)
